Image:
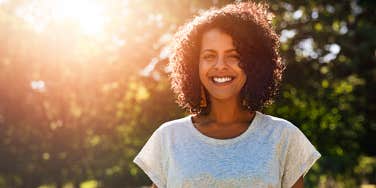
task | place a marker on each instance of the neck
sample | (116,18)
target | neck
(227,111)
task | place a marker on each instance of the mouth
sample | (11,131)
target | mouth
(222,79)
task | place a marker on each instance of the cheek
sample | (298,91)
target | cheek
(243,77)
(202,70)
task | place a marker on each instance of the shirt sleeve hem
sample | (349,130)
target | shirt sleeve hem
(153,177)
(305,168)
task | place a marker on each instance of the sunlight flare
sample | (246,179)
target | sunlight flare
(88,14)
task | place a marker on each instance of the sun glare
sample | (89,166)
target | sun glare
(88,14)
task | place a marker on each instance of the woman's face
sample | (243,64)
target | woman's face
(219,66)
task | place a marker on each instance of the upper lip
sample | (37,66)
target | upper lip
(221,76)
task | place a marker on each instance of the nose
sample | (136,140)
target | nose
(220,63)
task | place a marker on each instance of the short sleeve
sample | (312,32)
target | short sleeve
(300,157)
(152,159)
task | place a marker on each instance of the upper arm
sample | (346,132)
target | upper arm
(298,157)
(152,159)
(299,183)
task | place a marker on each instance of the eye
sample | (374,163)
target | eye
(234,58)
(208,57)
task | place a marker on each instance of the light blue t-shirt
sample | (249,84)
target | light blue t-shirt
(271,153)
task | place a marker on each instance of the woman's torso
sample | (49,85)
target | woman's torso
(252,158)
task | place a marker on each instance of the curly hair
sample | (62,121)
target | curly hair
(249,25)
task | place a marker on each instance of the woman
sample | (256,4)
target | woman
(225,69)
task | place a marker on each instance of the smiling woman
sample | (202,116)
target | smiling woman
(219,69)
(255,50)
(225,68)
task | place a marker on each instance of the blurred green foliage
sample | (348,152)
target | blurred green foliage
(75,109)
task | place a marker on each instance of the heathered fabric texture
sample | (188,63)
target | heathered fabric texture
(272,152)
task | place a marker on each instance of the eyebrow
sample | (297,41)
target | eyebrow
(210,50)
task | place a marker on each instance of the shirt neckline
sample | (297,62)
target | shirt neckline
(217,141)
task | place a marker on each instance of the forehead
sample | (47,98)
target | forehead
(216,39)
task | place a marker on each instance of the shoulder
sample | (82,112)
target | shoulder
(275,121)
(279,124)
(287,134)
(176,125)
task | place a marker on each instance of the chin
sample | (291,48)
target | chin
(223,96)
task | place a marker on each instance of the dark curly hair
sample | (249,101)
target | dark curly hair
(249,25)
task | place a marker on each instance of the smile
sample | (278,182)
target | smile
(223,79)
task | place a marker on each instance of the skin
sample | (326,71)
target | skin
(227,119)
(219,58)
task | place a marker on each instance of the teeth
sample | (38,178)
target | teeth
(222,79)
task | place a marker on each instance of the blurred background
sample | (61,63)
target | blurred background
(83,84)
